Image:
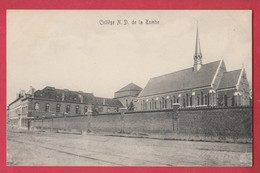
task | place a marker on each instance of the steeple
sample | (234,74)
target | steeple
(197,54)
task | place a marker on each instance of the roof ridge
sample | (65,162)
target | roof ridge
(181,70)
(233,70)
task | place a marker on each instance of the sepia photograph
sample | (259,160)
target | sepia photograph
(129,88)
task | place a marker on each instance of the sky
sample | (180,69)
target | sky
(79,51)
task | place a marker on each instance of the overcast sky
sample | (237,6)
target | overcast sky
(72,50)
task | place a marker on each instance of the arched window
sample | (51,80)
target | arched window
(47,107)
(58,108)
(233,101)
(201,96)
(187,99)
(163,102)
(36,106)
(183,102)
(225,100)
(67,108)
(206,100)
(77,109)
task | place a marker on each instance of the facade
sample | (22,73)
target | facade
(57,102)
(128,94)
(201,85)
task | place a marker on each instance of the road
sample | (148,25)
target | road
(57,149)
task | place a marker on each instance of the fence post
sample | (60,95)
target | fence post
(175,118)
(89,113)
(122,119)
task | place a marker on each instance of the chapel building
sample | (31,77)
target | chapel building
(201,85)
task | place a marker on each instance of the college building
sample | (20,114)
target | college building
(201,85)
(57,102)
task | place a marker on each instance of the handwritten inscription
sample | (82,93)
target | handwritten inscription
(128,22)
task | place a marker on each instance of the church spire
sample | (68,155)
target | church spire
(197,54)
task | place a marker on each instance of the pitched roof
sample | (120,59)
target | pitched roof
(181,80)
(229,79)
(74,97)
(130,87)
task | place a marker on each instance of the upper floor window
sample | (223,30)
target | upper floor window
(85,109)
(47,107)
(67,108)
(58,108)
(36,106)
(77,109)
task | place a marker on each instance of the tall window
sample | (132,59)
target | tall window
(163,102)
(58,108)
(150,105)
(198,100)
(201,96)
(77,109)
(190,100)
(155,105)
(174,100)
(126,101)
(47,107)
(36,106)
(183,102)
(187,99)
(225,100)
(171,104)
(85,109)
(67,108)
(206,100)
(177,100)
(233,101)
(160,104)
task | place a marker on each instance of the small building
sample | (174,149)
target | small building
(57,102)
(128,94)
(201,85)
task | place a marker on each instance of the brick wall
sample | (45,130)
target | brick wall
(216,122)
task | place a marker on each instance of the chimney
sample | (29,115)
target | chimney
(81,98)
(32,91)
(62,97)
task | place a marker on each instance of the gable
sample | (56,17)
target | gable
(229,79)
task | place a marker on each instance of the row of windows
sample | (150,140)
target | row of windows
(67,110)
(186,101)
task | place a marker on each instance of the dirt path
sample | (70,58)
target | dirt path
(55,149)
